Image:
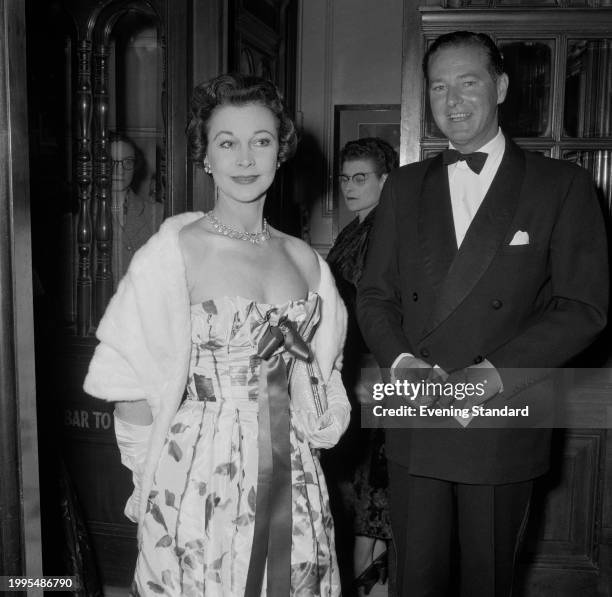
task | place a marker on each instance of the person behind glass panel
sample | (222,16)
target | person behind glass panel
(135,218)
(218,348)
(358,464)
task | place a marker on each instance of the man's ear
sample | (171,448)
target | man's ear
(502,87)
(383,177)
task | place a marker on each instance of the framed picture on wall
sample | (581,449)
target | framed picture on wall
(355,122)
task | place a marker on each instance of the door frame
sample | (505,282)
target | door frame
(20,529)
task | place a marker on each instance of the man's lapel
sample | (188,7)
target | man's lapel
(483,238)
(437,239)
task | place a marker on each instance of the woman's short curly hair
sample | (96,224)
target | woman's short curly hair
(237,90)
(383,156)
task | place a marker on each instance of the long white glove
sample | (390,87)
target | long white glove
(133,442)
(325,431)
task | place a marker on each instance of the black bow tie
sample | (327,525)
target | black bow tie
(475,160)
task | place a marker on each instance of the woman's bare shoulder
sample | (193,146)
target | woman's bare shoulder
(193,235)
(194,227)
(303,256)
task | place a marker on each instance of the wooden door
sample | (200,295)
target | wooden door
(262,40)
(94,67)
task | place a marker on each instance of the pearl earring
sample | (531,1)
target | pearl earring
(207,168)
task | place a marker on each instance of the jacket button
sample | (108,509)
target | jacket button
(415,297)
(479,359)
(496,304)
(424,352)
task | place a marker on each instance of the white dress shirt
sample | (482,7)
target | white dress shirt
(468,189)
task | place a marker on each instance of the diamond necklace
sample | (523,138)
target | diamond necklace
(253,237)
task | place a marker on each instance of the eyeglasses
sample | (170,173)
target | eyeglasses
(126,163)
(359,178)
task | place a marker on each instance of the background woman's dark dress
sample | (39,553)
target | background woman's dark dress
(356,467)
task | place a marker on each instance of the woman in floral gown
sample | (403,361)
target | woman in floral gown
(221,349)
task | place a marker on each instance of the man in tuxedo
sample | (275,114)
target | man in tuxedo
(488,263)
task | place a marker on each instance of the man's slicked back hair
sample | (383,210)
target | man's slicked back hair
(468,38)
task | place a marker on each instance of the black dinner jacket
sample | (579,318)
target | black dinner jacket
(527,308)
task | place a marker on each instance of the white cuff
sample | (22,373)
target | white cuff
(337,400)
(325,431)
(396,362)
(487,363)
(398,358)
(133,442)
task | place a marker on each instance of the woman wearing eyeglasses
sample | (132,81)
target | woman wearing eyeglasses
(361,488)
(135,217)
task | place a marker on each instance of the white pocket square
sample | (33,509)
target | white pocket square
(520,238)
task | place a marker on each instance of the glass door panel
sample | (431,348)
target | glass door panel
(527,109)
(588,88)
(599,163)
(136,136)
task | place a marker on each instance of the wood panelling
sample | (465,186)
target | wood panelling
(567,508)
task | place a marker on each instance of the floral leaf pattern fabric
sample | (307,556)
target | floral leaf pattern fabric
(198,531)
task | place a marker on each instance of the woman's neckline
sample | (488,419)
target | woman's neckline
(213,299)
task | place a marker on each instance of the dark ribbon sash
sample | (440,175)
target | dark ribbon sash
(273,520)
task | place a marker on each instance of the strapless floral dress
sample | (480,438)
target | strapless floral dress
(198,533)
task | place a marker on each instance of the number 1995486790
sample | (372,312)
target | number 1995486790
(48,583)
